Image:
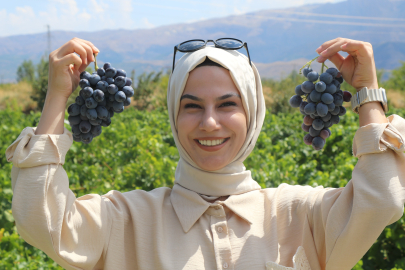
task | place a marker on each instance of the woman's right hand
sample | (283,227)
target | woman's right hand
(65,66)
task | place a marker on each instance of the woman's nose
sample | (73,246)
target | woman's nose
(209,121)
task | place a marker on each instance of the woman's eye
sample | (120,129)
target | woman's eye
(227,104)
(191,105)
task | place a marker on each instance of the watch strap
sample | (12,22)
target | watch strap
(366,95)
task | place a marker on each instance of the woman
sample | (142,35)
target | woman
(216,216)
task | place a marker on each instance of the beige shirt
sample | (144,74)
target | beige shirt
(287,227)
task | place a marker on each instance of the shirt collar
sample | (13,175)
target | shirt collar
(189,206)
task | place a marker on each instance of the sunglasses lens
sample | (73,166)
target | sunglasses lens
(229,43)
(191,45)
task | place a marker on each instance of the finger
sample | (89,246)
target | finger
(71,47)
(326,45)
(333,49)
(94,48)
(89,51)
(71,59)
(360,48)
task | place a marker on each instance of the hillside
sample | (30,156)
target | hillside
(283,35)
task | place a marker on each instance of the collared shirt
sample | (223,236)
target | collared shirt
(288,227)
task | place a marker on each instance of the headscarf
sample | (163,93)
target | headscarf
(233,178)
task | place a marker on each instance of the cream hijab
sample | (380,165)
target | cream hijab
(233,178)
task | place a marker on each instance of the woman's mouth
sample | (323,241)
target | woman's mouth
(211,145)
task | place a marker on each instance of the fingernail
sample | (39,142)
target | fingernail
(317,50)
(324,52)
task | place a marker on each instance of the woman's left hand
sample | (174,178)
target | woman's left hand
(358,68)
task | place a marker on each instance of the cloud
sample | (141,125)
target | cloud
(147,24)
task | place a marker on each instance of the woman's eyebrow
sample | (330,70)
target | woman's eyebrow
(218,98)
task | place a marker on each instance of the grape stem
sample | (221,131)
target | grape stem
(308,64)
(95,62)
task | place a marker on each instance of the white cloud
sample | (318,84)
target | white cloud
(147,24)
(97,7)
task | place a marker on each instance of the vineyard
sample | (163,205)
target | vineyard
(137,151)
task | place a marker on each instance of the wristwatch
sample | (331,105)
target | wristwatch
(369,95)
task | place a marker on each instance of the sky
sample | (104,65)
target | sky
(33,16)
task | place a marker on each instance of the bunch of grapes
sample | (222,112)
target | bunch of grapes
(320,100)
(102,94)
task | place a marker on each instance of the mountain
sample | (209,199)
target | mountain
(273,36)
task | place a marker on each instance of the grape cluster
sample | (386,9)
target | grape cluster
(102,94)
(320,100)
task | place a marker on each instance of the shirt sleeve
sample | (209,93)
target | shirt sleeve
(72,231)
(347,221)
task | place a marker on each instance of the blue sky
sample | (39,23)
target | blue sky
(28,17)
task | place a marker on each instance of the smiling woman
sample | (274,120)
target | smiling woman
(211,121)
(215,216)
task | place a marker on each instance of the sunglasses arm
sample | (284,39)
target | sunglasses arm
(246,47)
(174,57)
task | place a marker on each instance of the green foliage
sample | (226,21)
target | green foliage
(145,88)
(26,71)
(40,83)
(397,79)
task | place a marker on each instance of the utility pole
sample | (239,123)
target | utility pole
(49,39)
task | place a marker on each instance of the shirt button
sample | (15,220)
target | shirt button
(225,265)
(217,207)
(220,229)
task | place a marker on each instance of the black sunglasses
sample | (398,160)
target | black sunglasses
(198,44)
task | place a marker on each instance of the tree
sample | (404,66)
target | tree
(26,71)
(40,83)
(397,79)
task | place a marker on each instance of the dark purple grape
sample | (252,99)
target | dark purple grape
(313,76)
(79,100)
(328,124)
(320,86)
(102,112)
(106,122)
(102,85)
(335,119)
(96,130)
(127,101)
(347,96)
(87,92)
(318,143)
(111,113)
(305,127)
(98,95)
(74,109)
(314,132)
(106,65)
(327,117)
(84,117)
(77,138)
(342,111)
(111,98)
(120,97)
(308,139)
(91,103)
(302,105)
(84,83)
(110,80)
(118,106)
(129,92)
(298,90)
(91,114)
(103,102)
(120,72)
(310,108)
(96,122)
(76,129)
(85,75)
(85,126)
(315,96)
(335,111)
(332,71)
(94,79)
(318,124)
(327,98)
(128,81)
(83,110)
(340,79)
(87,138)
(337,99)
(331,106)
(112,89)
(330,88)
(306,70)
(120,81)
(74,120)
(326,78)
(110,72)
(308,120)
(321,109)
(101,72)
(307,87)
(295,100)
(324,134)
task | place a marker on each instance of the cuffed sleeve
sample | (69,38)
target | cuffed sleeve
(347,221)
(72,231)
(30,150)
(375,138)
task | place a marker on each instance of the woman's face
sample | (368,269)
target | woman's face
(211,122)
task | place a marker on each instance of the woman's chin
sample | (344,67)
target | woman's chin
(212,165)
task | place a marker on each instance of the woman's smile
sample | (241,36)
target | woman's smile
(211,144)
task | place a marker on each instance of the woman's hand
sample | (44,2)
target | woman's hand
(358,68)
(65,66)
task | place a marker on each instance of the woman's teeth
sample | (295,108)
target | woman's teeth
(211,142)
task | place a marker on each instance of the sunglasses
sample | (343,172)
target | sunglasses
(198,44)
